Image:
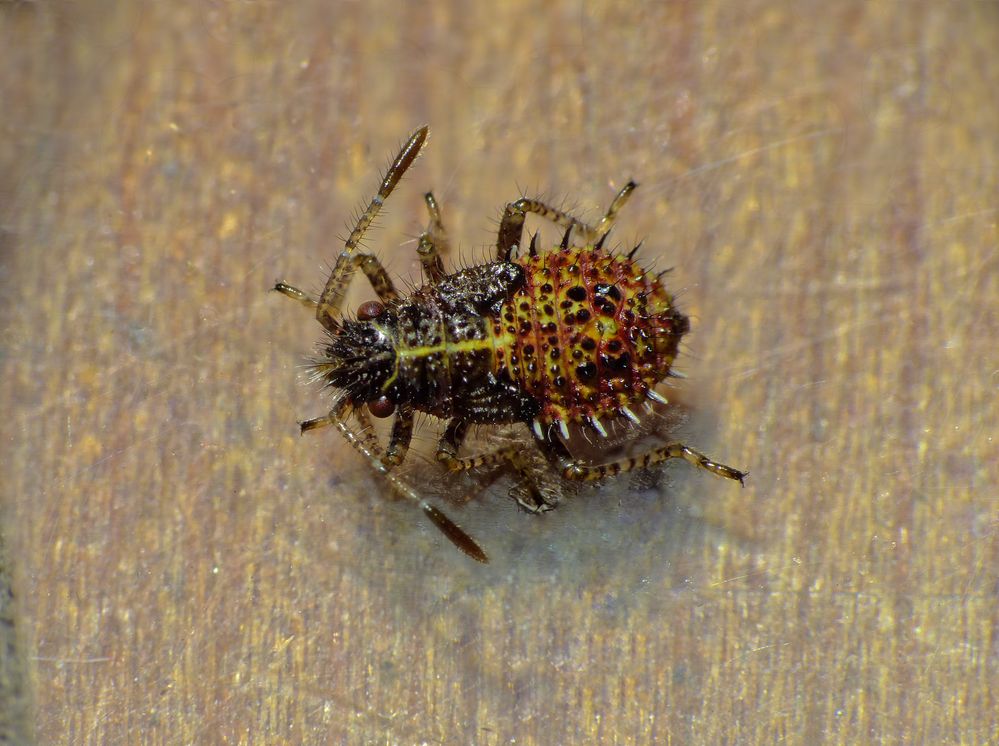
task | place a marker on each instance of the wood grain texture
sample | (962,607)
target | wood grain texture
(823,177)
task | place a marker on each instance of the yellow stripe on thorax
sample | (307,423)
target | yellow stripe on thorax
(447,347)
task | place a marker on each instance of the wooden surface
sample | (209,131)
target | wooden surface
(187,569)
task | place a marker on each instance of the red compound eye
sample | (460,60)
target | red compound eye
(369,310)
(382,408)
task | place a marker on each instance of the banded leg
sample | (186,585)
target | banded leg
(331,301)
(365,431)
(373,270)
(376,274)
(365,444)
(576,470)
(399,441)
(447,454)
(433,242)
(512,224)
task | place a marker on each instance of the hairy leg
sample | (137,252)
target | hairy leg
(512,224)
(447,454)
(330,302)
(433,242)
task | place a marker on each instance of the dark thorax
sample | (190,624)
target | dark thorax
(445,348)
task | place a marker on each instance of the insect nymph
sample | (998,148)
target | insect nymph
(570,336)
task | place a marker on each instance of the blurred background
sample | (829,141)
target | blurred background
(179,566)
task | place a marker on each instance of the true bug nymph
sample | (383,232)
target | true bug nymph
(575,335)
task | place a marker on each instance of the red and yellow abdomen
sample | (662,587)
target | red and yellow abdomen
(587,333)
